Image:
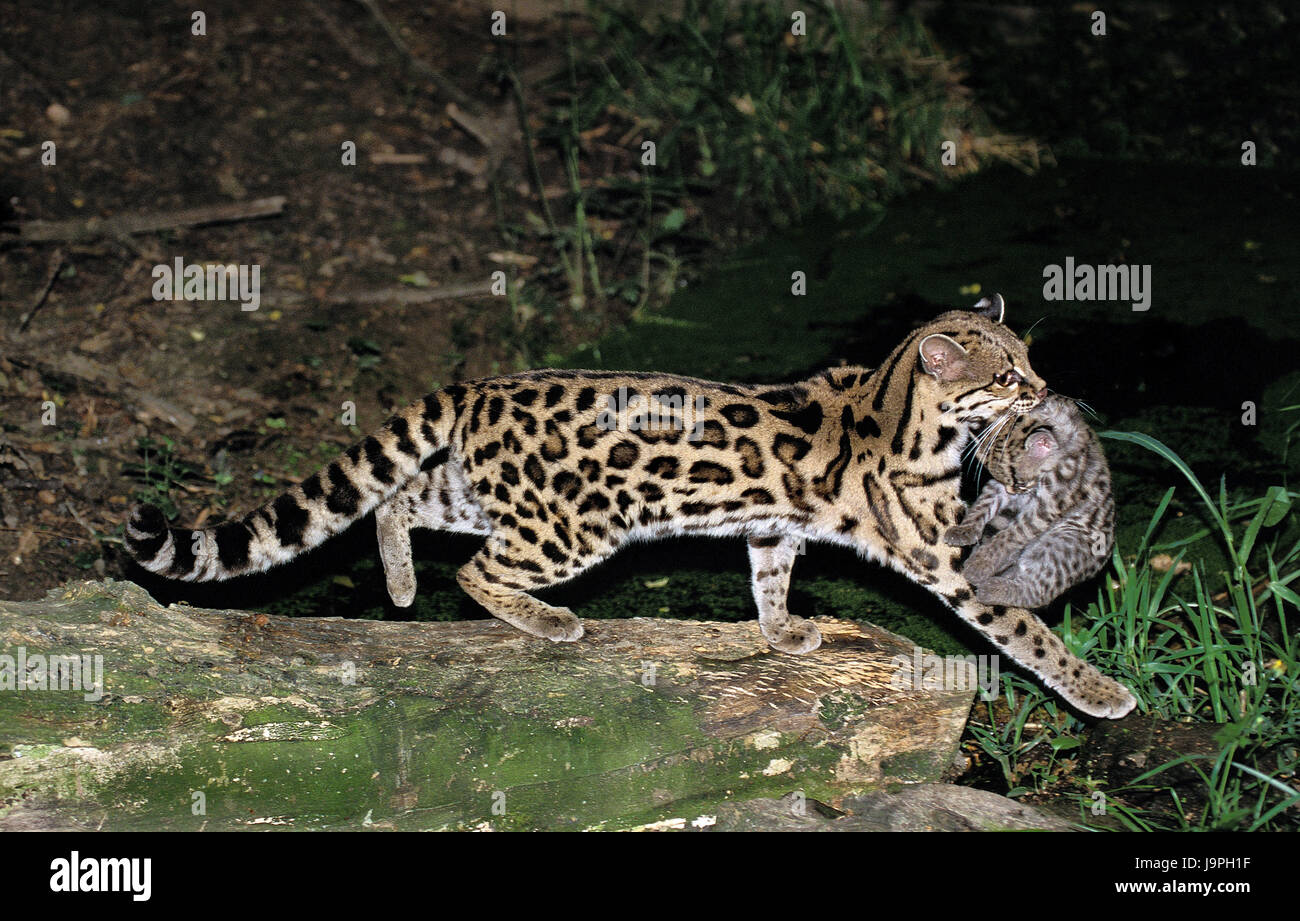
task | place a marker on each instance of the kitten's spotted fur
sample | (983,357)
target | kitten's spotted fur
(869,459)
(1049,504)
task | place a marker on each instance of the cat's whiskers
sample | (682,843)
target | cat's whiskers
(992,431)
(1086,408)
(985,439)
(985,433)
(1006,442)
(1031,329)
(972,450)
(1080,403)
(975,448)
(1003,423)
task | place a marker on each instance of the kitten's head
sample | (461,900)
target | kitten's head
(974,368)
(1049,439)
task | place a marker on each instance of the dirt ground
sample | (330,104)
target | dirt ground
(147,118)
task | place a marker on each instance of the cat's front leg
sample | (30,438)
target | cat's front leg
(771,560)
(990,502)
(995,554)
(1018,634)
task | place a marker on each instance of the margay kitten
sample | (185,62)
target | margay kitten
(870,459)
(1049,503)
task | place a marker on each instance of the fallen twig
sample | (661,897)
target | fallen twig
(107,382)
(77,518)
(444,86)
(341,37)
(56,263)
(398,159)
(80,540)
(124,225)
(402,295)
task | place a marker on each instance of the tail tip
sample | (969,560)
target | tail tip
(146,531)
(148,519)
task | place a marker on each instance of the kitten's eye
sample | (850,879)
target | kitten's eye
(1009,379)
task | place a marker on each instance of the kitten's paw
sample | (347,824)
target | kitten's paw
(797,636)
(961,536)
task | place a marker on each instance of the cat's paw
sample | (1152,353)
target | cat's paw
(797,636)
(1102,697)
(961,535)
(403,596)
(558,625)
(1119,701)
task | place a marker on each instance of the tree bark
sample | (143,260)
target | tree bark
(225,720)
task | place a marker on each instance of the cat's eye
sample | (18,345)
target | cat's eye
(1009,378)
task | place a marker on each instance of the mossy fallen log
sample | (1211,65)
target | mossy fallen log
(223,719)
(914,807)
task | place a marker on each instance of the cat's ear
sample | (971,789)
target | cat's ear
(943,357)
(1040,444)
(992,307)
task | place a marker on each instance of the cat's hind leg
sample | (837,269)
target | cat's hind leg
(1047,566)
(770,561)
(515,560)
(497,576)
(435,499)
(394,523)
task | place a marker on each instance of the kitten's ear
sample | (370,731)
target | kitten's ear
(943,357)
(992,307)
(1040,444)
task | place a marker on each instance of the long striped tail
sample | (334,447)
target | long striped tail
(327,502)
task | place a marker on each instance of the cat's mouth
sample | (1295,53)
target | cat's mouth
(1028,399)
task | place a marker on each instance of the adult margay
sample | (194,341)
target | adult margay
(538,465)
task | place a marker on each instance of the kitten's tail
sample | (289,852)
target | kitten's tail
(346,490)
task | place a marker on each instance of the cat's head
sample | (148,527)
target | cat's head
(1049,438)
(974,368)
